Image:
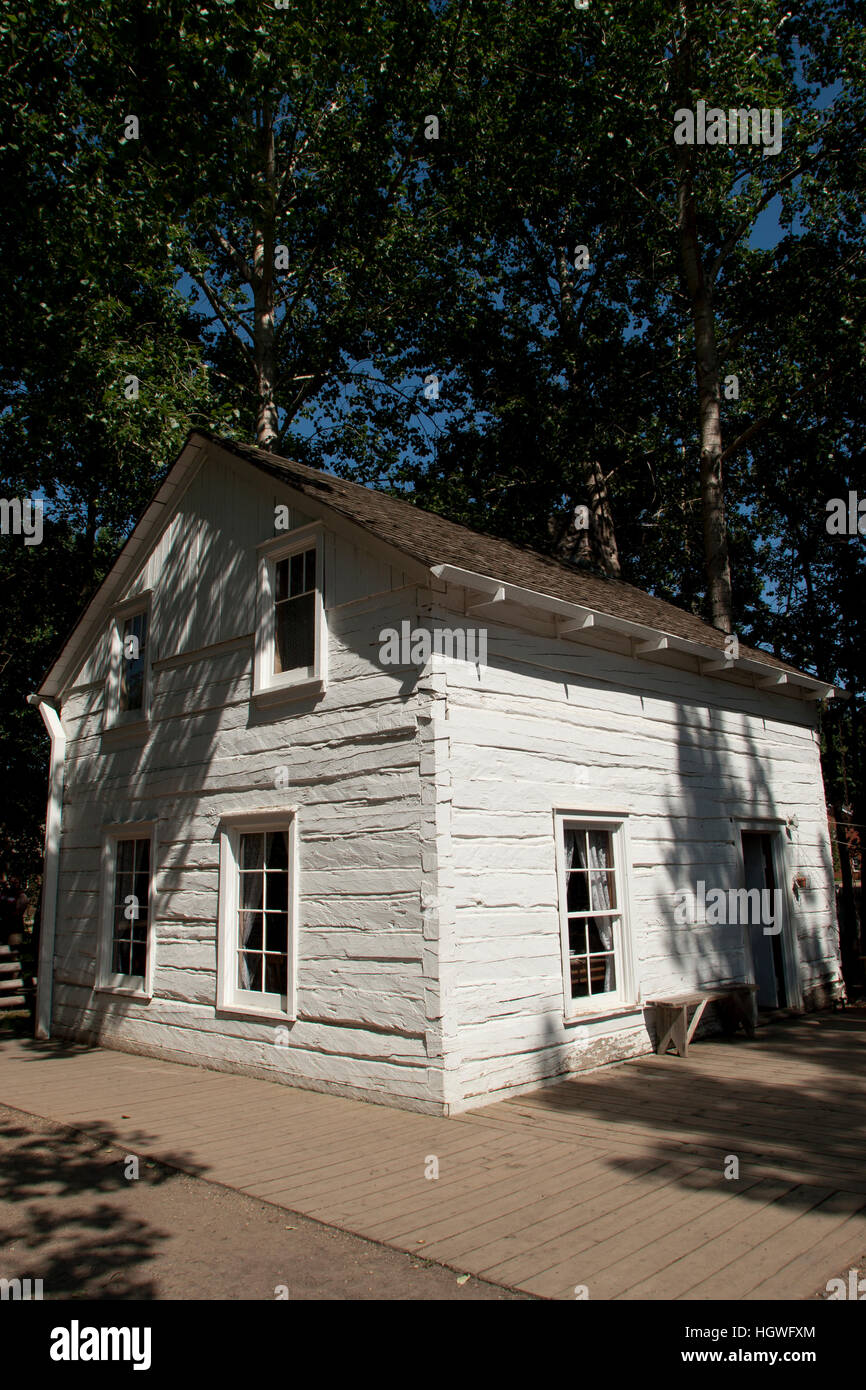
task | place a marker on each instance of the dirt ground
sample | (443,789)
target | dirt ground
(69,1216)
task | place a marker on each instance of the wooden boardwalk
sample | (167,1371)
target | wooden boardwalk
(614,1181)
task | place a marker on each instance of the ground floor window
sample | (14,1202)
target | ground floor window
(125,961)
(592,913)
(258,886)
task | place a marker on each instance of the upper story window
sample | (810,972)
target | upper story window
(132,665)
(128,688)
(595,946)
(291,635)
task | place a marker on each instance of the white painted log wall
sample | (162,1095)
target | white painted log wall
(550,724)
(368,985)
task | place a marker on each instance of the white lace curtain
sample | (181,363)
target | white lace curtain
(598,861)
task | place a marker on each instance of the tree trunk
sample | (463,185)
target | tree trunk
(264,354)
(715,529)
(849,925)
(598,546)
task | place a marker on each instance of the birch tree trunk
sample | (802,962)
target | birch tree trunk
(600,545)
(264,353)
(715,529)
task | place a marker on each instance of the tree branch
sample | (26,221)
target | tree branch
(243,268)
(223,313)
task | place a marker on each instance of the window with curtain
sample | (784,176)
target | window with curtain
(263,912)
(592,912)
(130,908)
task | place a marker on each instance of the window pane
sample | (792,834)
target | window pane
(277,892)
(138,959)
(277,932)
(575,848)
(251,930)
(295,634)
(577,936)
(603,888)
(251,889)
(297,581)
(121,958)
(278,849)
(125,856)
(281,580)
(578,892)
(276,973)
(123,886)
(122,924)
(140,887)
(310,570)
(600,933)
(600,849)
(579,977)
(252,851)
(602,973)
(250,970)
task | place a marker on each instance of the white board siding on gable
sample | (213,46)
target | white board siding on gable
(549,725)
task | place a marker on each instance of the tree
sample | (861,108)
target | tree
(280,143)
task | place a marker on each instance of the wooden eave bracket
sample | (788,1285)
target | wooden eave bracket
(488,603)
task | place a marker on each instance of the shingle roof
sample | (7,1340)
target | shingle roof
(433,540)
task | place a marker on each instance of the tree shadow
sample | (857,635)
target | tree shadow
(68,1219)
(806,1125)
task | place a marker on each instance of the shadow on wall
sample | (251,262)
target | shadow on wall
(713,790)
(710,793)
(709,767)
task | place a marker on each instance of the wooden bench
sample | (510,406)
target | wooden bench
(672,1013)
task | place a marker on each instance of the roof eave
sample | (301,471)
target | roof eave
(578,618)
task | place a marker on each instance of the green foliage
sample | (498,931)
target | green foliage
(405,256)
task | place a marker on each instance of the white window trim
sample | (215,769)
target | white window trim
(625,996)
(230,997)
(106,981)
(268,685)
(114,717)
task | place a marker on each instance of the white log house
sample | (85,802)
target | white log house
(283,843)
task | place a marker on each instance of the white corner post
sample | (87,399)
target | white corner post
(51,865)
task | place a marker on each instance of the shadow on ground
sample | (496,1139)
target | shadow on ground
(66,1214)
(793,1109)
